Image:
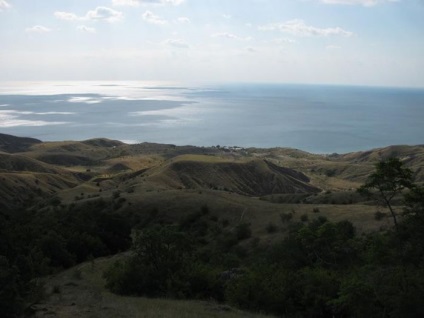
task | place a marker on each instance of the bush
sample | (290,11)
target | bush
(266,288)
(379,215)
(10,301)
(304,218)
(205,282)
(160,266)
(225,222)
(286,217)
(271,228)
(243,231)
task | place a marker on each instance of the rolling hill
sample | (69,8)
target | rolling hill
(252,178)
(107,165)
(101,184)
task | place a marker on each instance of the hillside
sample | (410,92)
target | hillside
(253,178)
(24,179)
(104,165)
(13,144)
(82,200)
(81,292)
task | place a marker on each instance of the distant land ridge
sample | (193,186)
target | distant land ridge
(9,143)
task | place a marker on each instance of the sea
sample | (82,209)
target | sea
(320,119)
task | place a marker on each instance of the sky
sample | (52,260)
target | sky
(347,42)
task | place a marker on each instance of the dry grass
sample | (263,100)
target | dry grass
(172,205)
(80,292)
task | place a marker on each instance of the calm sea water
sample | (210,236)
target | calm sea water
(320,119)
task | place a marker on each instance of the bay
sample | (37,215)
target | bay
(315,118)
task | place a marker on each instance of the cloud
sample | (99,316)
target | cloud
(229,36)
(284,41)
(365,3)
(4,5)
(98,14)
(136,3)
(171,2)
(333,47)
(130,3)
(68,16)
(86,29)
(37,29)
(104,14)
(177,43)
(299,28)
(183,20)
(150,17)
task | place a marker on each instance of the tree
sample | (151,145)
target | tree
(161,265)
(414,201)
(11,302)
(389,180)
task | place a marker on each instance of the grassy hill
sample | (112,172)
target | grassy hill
(254,178)
(13,144)
(80,292)
(148,174)
(212,190)
(24,179)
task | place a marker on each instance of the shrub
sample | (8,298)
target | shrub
(77,274)
(271,228)
(10,301)
(304,218)
(56,289)
(160,267)
(379,215)
(266,288)
(204,209)
(243,231)
(286,217)
(205,282)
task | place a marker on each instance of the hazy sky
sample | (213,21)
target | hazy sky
(366,42)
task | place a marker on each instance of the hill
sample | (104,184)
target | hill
(66,202)
(253,178)
(72,168)
(81,292)
(24,180)
(13,144)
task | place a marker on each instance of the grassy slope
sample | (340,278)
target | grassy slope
(174,204)
(143,175)
(254,177)
(117,167)
(80,292)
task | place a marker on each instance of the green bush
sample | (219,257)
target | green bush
(268,289)
(160,266)
(271,228)
(304,218)
(11,301)
(243,231)
(379,215)
(286,217)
